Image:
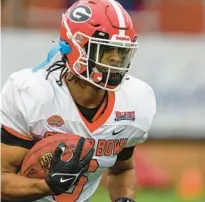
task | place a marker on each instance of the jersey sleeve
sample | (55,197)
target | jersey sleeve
(13,111)
(139,135)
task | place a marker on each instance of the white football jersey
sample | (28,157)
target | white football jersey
(33,107)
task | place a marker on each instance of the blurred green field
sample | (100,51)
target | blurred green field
(145,196)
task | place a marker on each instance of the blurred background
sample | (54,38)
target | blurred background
(170,165)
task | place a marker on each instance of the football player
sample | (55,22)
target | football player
(87,92)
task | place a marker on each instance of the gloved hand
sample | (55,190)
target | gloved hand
(124,199)
(64,174)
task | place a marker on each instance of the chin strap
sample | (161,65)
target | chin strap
(61,47)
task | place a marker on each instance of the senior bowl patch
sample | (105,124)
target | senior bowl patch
(127,115)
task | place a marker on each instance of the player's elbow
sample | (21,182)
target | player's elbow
(5,191)
(5,196)
(121,167)
(118,170)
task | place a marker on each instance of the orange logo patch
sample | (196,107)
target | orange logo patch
(55,121)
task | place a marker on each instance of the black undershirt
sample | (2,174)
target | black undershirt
(88,113)
(12,140)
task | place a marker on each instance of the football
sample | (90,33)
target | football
(37,161)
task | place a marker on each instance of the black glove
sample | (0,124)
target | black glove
(64,174)
(124,199)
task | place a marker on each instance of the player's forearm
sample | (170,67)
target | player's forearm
(122,184)
(19,188)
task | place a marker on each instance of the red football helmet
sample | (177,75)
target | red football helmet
(92,27)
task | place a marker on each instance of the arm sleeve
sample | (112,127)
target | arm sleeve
(13,111)
(125,154)
(12,140)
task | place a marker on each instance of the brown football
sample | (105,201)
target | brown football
(37,161)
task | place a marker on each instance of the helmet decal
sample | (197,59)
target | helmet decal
(80,14)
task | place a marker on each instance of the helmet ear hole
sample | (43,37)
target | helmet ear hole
(65,48)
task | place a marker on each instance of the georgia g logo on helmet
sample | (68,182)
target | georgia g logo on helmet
(80,14)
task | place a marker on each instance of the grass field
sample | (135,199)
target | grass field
(145,196)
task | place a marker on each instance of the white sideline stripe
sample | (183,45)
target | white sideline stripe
(120,16)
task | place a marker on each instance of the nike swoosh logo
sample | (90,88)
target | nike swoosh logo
(115,133)
(65,180)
